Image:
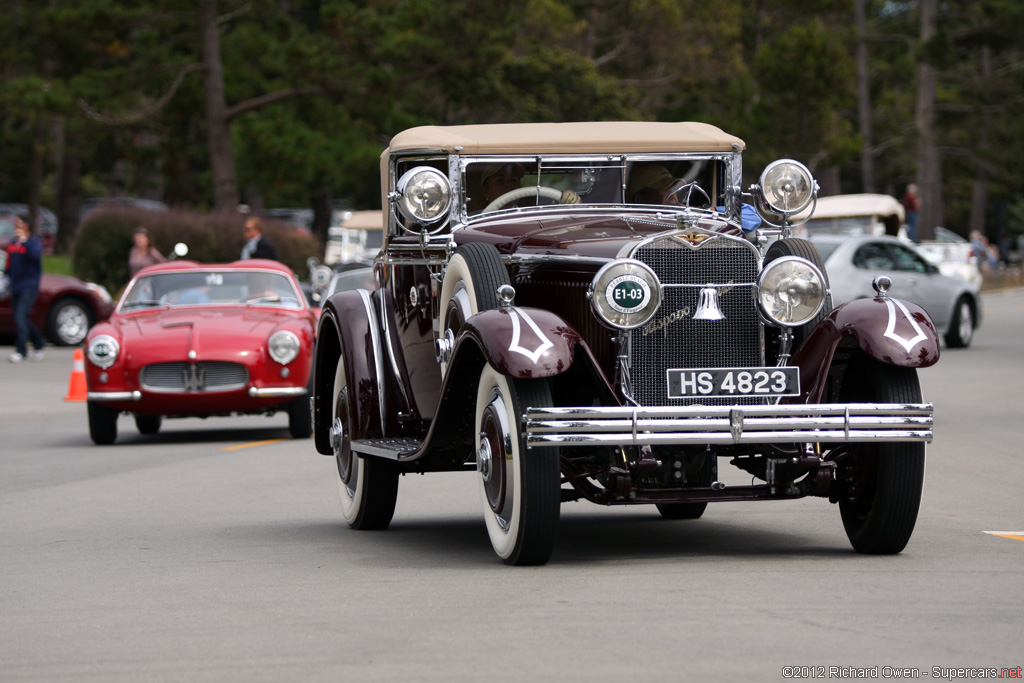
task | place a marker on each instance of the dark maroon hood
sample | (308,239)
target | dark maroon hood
(595,236)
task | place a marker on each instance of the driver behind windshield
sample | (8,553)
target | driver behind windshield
(497,180)
(648,184)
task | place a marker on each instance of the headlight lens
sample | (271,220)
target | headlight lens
(791,291)
(103,351)
(283,346)
(625,294)
(787,186)
(424,195)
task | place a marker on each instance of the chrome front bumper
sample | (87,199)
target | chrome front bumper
(277,392)
(133,396)
(789,423)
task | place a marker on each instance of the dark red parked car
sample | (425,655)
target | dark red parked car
(64,310)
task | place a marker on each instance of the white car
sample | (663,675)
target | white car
(852,263)
(953,255)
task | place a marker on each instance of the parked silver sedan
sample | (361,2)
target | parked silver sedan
(852,263)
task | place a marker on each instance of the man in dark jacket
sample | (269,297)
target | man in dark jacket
(24,268)
(256,245)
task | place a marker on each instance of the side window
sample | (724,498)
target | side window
(874,256)
(908,261)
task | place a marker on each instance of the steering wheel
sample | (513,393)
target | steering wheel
(513,195)
(680,195)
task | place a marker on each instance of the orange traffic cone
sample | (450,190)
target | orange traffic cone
(76,387)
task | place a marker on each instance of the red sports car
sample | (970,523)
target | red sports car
(197,340)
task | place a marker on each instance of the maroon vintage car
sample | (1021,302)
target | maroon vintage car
(197,340)
(64,310)
(599,311)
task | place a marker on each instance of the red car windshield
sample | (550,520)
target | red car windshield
(211,287)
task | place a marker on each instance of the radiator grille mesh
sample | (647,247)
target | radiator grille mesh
(204,376)
(733,342)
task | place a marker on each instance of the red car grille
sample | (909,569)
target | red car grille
(194,377)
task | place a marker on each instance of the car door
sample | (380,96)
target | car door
(931,290)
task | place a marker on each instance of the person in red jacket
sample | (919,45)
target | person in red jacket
(24,268)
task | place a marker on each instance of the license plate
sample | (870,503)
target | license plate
(686,383)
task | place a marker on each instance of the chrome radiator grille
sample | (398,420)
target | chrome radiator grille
(193,377)
(673,339)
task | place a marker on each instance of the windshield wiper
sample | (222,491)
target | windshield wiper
(145,303)
(274,299)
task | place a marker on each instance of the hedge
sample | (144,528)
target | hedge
(104,239)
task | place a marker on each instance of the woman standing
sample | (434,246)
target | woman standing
(143,253)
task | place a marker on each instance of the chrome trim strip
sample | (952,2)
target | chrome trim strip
(114,396)
(817,423)
(276,392)
(371,315)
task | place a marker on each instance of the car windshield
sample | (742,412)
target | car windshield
(211,287)
(853,225)
(513,183)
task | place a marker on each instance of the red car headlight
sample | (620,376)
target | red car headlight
(284,346)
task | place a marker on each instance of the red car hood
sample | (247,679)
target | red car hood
(600,236)
(210,332)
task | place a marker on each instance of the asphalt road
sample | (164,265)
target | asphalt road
(215,551)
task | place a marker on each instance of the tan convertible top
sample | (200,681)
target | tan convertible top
(853,205)
(365,220)
(604,137)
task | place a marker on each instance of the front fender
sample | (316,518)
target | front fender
(348,330)
(522,342)
(892,331)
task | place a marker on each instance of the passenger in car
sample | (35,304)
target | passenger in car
(648,183)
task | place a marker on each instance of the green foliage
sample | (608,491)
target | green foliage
(113,84)
(105,238)
(57,264)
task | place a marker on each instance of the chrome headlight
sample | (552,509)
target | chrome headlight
(424,195)
(787,187)
(283,346)
(103,351)
(791,291)
(625,294)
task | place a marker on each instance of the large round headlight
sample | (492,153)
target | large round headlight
(625,294)
(424,195)
(103,351)
(787,187)
(283,346)
(791,291)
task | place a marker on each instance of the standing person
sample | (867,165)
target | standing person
(911,205)
(142,253)
(24,268)
(256,245)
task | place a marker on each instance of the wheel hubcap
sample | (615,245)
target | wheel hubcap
(72,324)
(494,458)
(340,438)
(966,322)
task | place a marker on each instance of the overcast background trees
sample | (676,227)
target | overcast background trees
(211,103)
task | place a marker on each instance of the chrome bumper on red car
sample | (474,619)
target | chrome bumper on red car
(114,396)
(788,423)
(277,392)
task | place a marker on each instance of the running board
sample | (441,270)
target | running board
(390,448)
